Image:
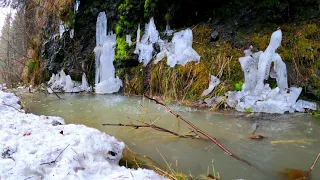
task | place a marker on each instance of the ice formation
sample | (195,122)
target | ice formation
(128,40)
(61,30)
(168,31)
(76,6)
(256,96)
(61,82)
(144,47)
(179,50)
(104,54)
(71,33)
(30,143)
(214,81)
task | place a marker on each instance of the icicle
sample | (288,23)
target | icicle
(84,83)
(61,30)
(128,40)
(168,31)
(71,33)
(144,47)
(76,6)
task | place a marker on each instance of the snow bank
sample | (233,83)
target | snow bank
(42,147)
(256,96)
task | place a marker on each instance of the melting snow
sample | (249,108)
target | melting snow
(42,147)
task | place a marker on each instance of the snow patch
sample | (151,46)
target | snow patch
(42,147)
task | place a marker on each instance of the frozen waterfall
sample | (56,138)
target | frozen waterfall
(104,54)
(256,96)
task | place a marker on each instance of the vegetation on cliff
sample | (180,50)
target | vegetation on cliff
(221,33)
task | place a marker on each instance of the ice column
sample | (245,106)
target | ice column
(144,47)
(61,30)
(104,54)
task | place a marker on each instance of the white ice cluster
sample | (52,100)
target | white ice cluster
(104,54)
(61,82)
(76,6)
(43,147)
(256,96)
(168,31)
(144,47)
(214,81)
(128,40)
(3,86)
(61,30)
(178,51)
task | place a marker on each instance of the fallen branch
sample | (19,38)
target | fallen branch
(54,92)
(54,161)
(313,164)
(196,129)
(157,128)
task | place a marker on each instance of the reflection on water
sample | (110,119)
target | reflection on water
(195,156)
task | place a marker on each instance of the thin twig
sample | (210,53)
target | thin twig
(157,128)
(55,92)
(313,164)
(54,161)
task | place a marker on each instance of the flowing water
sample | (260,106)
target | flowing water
(293,140)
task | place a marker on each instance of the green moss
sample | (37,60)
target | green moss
(238,86)
(248,110)
(31,64)
(149,8)
(119,29)
(122,47)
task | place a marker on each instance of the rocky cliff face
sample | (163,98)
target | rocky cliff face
(234,24)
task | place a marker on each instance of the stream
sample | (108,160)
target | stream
(293,140)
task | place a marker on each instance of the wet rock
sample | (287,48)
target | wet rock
(56,123)
(214,36)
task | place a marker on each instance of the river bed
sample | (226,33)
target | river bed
(293,140)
